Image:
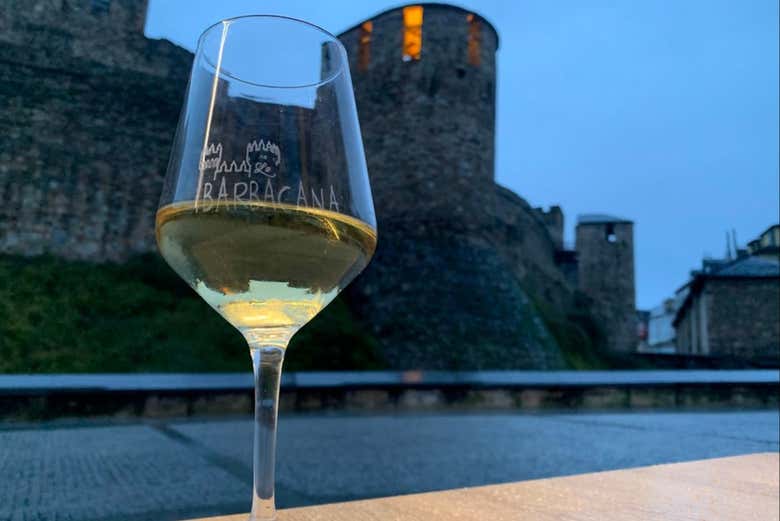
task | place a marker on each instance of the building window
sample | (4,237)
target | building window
(413,20)
(364,52)
(475,36)
(100,6)
(609,234)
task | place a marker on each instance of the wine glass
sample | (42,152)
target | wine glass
(266,209)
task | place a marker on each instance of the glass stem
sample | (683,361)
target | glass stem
(267,365)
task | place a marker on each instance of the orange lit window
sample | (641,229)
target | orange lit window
(364,54)
(413,20)
(475,34)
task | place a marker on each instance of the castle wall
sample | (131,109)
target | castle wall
(79,29)
(85,140)
(553,221)
(522,237)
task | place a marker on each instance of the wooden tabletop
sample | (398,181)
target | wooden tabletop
(740,488)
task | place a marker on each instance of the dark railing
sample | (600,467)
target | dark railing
(46,396)
(144,382)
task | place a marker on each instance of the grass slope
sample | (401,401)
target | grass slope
(59,316)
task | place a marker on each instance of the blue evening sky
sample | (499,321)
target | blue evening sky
(662,112)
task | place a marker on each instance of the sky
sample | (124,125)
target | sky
(662,112)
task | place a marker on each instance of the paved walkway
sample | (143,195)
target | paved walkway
(175,470)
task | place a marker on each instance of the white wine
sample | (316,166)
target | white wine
(267,268)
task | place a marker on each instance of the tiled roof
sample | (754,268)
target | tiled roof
(750,267)
(599,218)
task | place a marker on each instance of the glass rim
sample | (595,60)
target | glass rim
(227,21)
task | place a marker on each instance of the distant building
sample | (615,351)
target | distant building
(732,312)
(682,324)
(767,245)
(642,325)
(661,335)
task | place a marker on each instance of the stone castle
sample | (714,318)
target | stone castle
(463,265)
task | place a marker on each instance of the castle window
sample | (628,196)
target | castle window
(413,20)
(610,233)
(475,37)
(100,6)
(364,52)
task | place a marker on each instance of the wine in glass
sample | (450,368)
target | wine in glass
(266,210)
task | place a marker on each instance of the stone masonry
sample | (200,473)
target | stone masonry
(745,318)
(605,251)
(732,313)
(88,108)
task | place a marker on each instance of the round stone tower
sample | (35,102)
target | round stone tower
(441,292)
(424,78)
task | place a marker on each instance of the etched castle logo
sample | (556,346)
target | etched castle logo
(237,182)
(260,157)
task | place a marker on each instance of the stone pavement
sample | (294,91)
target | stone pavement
(92,471)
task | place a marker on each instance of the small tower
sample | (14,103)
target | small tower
(553,221)
(605,249)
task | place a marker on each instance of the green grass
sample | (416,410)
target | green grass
(581,339)
(59,316)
